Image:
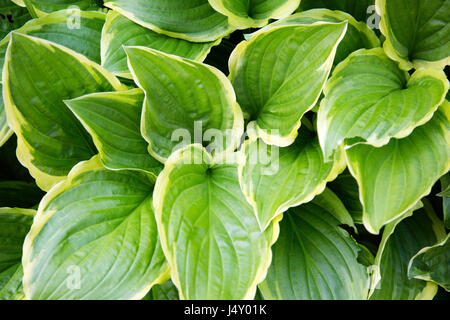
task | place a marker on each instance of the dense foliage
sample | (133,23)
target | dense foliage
(224,149)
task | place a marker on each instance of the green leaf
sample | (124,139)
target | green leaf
(50,139)
(14,226)
(296,60)
(11,17)
(243,14)
(192,20)
(346,188)
(56,27)
(165,291)
(209,232)
(94,237)
(19,194)
(401,240)
(40,8)
(275,179)
(432,264)
(357,8)
(120,31)
(417,32)
(5,131)
(314,258)
(358,34)
(112,119)
(184,100)
(393,178)
(370,100)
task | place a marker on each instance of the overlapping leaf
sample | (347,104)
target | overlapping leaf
(193,20)
(401,241)
(393,178)
(432,264)
(165,291)
(14,226)
(296,60)
(369,99)
(314,258)
(94,237)
(417,32)
(357,36)
(185,100)
(445,184)
(37,77)
(120,31)
(346,188)
(209,232)
(274,179)
(113,120)
(243,14)
(11,17)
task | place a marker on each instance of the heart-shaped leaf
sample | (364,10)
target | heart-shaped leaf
(120,31)
(243,14)
(94,237)
(417,32)
(192,20)
(184,100)
(314,258)
(14,226)
(370,100)
(296,60)
(113,120)
(50,138)
(275,179)
(393,178)
(209,232)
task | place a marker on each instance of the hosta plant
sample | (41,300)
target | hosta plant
(224,149)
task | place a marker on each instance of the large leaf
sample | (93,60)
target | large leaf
(209,232)
(357,8)
(358,34)
(11,17)
(120,31)
(401,241)
(432,264)
(55,27)
(370,100)
(94,237)
(193,20)
(113,120)
(417,32)
(393,178)
(314,258)
(14,226)
(243,14)
(346,188)
(39,8)
(37,77)
(184,100)
(275,179)
(296,60)
(165,291)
